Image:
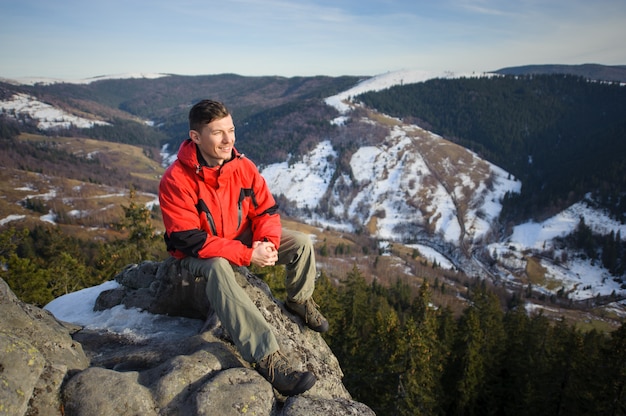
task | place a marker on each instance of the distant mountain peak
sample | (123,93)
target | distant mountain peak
(595,72)
(50,81)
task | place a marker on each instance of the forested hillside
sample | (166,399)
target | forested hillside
(563,136)
(560,134)
(274,115)
(413,338)
(595,72)
(403,357)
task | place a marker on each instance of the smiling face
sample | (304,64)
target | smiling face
(215,140)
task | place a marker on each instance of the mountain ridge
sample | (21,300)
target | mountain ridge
(591,71)
(370,181)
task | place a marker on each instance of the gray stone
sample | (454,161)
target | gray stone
(54,368)
(302,405)
(21,365)
(102,392)
(37,353)
(235,391)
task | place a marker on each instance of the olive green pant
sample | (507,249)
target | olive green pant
(249,330)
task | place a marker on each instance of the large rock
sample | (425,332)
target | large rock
(201,374)
(37,354)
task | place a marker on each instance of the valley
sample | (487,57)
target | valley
(376,192)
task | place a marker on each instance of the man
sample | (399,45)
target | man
(218,212)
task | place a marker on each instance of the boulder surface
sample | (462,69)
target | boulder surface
(55,368)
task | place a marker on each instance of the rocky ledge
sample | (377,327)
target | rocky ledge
(49,367)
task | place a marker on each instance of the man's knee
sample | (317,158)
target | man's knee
(295,247)
(217,267)
(297,239)
(207,268)
(303,240)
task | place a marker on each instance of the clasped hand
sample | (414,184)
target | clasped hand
(264,253)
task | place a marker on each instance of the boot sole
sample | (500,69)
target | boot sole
(305,383)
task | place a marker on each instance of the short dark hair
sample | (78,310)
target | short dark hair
(205,112)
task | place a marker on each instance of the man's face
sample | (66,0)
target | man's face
(215,140)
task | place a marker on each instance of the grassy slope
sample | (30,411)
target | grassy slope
(85,204)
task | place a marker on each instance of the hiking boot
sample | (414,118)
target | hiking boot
(276,369)
(309,311)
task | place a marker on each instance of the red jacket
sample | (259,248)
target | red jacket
(205,209)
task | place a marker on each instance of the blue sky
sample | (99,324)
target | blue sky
(72,39)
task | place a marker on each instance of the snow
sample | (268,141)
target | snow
(10,218)
(581,278)
(433,255)
(379,182)
(77,308)
(380,169)
(47,196)
(383,81)
(48,117)
(540,235)
(49,81)
(481,217)
(385,176)
(303,182)
(49,217)
(166,156)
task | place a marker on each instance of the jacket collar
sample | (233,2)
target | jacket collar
(189,155)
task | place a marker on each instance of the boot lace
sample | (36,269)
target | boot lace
(277,362)
(311,312)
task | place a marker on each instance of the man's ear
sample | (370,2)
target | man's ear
(194,136)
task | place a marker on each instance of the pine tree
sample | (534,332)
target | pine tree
(615,375)
(327,297)
(466,373)
(538,343)
(380,358)
(492,324)
(421,378)
(140,245)
(516,384)
(610,253)
(353,328)
(10,239)
(564,362)
(588,374)
(27,280)
(67,274)
(137,223)
(472,377)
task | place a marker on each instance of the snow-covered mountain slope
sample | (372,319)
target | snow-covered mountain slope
(342,102)
(418,187)
(49,81)
(412,186)
(47,116)
(574,275)
(415,187)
